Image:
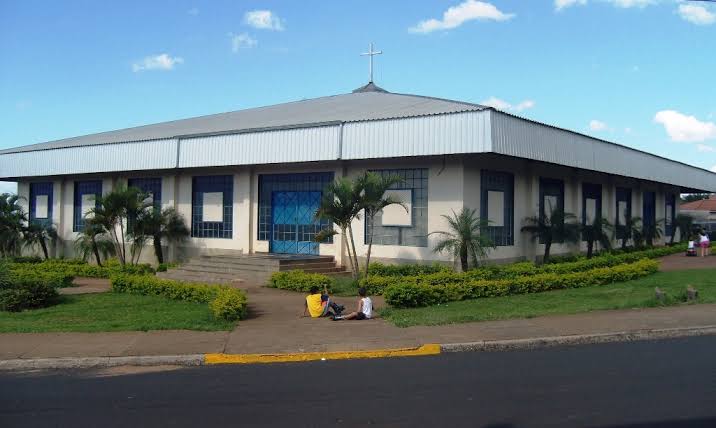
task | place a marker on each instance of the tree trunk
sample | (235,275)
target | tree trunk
(590,249)
(95,250)
(158,249)
(547,247)
(43,244)
(370,245)
(356,272)
(344,235)
(624,242)
(463,259)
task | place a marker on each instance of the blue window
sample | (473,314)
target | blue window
(219,222)
(287,208)
(153,186)
(41,203)
(493,187)
(416,235)
(623,210)
(84,191)
(649,217)
(551,197)
(669,214)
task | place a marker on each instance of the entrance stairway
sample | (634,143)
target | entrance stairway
(249,268)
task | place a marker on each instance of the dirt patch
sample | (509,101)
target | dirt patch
(87,286)
(680,261)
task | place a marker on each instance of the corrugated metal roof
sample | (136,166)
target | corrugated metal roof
(351,107)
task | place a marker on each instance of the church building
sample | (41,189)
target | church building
(250,181)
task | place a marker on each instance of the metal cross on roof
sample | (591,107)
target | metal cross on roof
(370,55)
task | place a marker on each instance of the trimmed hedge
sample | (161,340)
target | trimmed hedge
(408,294)
(74,267)
(377,284)
(380,269)
(298,280)
(19,293)
(225,302)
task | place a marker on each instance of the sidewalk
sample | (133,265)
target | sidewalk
(275,326)
(289,333)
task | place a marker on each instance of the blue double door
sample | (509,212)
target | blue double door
(294,225)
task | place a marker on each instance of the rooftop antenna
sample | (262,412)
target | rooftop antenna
(370,54)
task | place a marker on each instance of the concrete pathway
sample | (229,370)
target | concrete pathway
(275,325)
(679,261)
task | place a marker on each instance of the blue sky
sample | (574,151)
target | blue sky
(638,72)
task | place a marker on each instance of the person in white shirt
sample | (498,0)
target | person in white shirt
(704,243)
(364,311)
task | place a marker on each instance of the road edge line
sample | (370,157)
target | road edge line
(578,339)
(424,350)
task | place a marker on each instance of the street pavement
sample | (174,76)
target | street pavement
(639,384)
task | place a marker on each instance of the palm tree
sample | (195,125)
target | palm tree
(652,232)
(94,240)
(466,239)
(373,200)
(685,224)
(598,231)
(340,205)
(12,222)
(37,233)
(116,212)
(158,225)
(631,229)
(557,227)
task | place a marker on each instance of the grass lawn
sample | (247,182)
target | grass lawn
(113,312)
(631,294)
(344,286)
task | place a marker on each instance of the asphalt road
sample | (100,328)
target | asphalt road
(644,384)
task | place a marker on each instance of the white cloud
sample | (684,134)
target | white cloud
(562,4)
(8,187)
(263,20)
(455,16)
(157,62)
(683,128)
(626,4)
(703,148)
(696,14)
(713,168)
(499,104)
(597,125)
(193,11)
(242,41)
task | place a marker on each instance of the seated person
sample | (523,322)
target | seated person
(364,311)
(320,305)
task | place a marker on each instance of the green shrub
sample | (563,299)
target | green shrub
(26,259)
(80,268)
(53,279)
(225,302)
(229,305)
(380,269)
(17,293)
(298,280)
(414,291)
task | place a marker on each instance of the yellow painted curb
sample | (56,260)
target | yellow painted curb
(430,349)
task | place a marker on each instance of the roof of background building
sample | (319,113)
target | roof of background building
(700,205)
(369,102)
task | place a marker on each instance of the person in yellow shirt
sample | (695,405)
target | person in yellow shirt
(320,305)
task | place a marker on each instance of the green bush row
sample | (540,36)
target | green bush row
(77,268)
(26,292)
(408,294)
(380,269)
(225,302)
(298,280)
